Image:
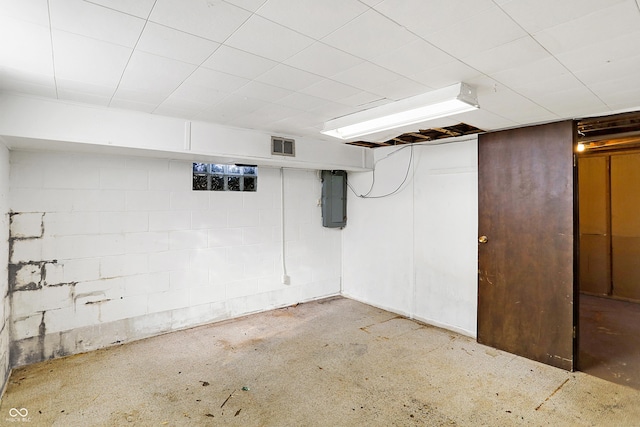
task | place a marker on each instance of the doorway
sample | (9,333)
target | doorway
(559,252)
(609,262)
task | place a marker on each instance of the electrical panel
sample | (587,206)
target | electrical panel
(334,199)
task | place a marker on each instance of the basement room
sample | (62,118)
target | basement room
(322,213)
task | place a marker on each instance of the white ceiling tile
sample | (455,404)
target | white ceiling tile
(262,91)
(264,115)
(543,86)
(268,39)
(483,31)
(25,46)
(623,106)
(445,75)
(400,89)
(87,60)
(90,20)
(368,35)
(127,104)
(135,96)
(363,100)
(176,106)
(267,74)
(614,70)
(212,19)
(33,11)
(485,120)
(139,8)
(299,125)
(523,75)
(238,62)
(26,77)
(20,81)
(601,53)
(427,17)
(366,76)
(514,54)
(313,18)
(323,60)
(301,101)
(619,94)
(506,103)
(413,57)
(569,103)
(154,74)
(611,22)
(88,88)
(331,111)
(175,44)
(84,96)
(288,77)
(230,108)
(538,15)
(188,92)
(330,90)
(252,120)
(216,80)
(250,5)
(615,87)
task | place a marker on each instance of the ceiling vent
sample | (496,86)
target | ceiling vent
(283,146)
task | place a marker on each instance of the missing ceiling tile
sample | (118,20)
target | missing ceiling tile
(423,135)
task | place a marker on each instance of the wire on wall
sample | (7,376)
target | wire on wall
(406,175)
(373,181)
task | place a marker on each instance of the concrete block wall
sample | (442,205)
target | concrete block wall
(5,308)
(108,249)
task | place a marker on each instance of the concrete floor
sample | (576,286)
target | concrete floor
(609,345)
(334,362)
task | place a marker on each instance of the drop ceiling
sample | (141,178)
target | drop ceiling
(287,66)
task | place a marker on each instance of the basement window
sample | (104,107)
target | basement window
(217,177)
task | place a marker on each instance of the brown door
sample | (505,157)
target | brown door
(526,265)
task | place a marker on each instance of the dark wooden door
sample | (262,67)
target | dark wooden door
(526,266)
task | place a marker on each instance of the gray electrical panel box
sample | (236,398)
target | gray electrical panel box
(334,199)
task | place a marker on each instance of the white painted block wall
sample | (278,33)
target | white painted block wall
(5,309)
(109,249)
(415,252)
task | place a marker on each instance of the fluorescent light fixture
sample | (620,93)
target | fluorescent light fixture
(447,101)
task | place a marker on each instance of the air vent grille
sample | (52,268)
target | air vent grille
(283,146)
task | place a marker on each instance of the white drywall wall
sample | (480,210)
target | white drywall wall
(108,249)
(415,252)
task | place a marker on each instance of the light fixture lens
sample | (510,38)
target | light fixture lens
(581,147)
(404,118)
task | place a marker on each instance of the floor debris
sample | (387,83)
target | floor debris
(227,399)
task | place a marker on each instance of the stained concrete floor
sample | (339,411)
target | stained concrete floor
(334,362)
